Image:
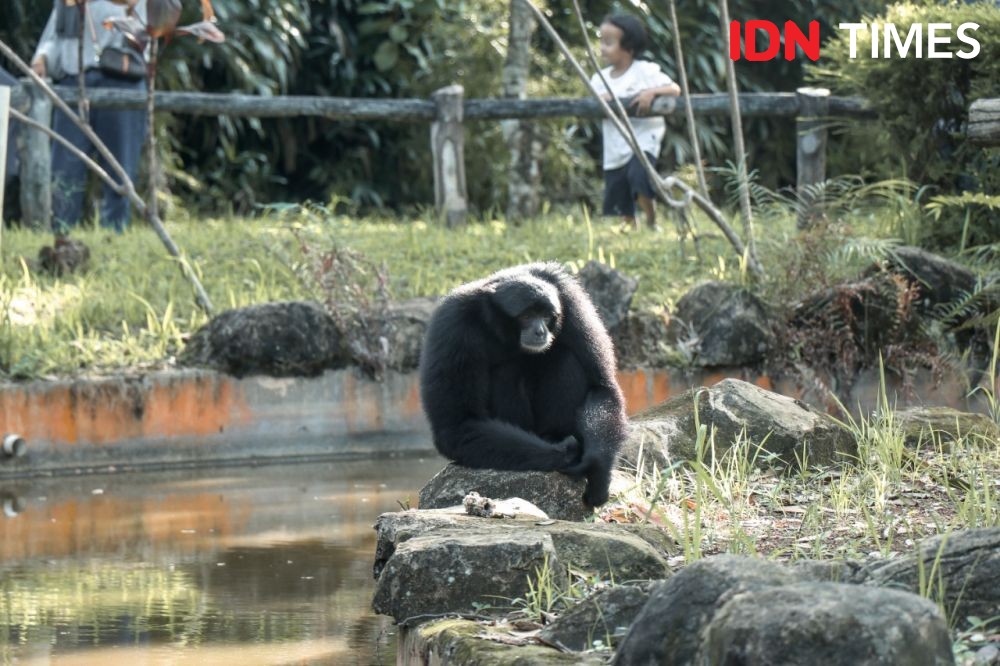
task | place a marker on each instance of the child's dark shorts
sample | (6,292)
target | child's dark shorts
(622,185)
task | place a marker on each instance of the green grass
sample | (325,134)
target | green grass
(132,309)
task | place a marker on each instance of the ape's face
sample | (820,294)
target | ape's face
(531,312)
(537,331)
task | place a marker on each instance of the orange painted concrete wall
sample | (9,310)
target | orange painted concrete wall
(196,415)
(198,404)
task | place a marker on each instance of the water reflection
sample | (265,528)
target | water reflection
(267,565)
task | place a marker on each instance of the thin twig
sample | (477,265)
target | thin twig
(81,77)
(154,202)
(737,122)
(82,156)
(201,297)
(626,130)
(688,106)
(692,126)
(61,105)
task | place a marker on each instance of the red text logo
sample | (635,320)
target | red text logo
(793,37)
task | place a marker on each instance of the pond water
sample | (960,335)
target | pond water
(235,565)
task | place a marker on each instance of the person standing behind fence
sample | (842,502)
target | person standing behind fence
(623,39)
(123,131)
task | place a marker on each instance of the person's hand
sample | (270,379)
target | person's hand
(643,102)
(38,67)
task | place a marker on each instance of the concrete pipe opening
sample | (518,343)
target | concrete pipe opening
(13,446)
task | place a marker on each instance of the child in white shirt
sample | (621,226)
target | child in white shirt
(623,39)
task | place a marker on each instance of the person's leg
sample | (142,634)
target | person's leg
(642,189)
(69,175)
(617,196)
(124,133)
(648,207)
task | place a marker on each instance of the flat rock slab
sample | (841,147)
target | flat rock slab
(433,562)
(827,623)
(964,565)
(556,494)
(788,430)
(455,570)
(454,641)
(929,425)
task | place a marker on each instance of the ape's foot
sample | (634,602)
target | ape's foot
(595,495)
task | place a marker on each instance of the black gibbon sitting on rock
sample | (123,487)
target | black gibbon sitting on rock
(517,372)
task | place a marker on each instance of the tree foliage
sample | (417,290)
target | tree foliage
(408,48)
(922,109)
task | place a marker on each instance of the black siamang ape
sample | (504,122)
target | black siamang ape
(518,372)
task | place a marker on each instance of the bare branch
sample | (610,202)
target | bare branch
(737,122)
(663,184)
(88,132)
(127,186)
(52,134)
(688,106)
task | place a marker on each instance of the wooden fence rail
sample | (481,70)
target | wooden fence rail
(445,112)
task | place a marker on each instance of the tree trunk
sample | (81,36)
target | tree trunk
(522,136)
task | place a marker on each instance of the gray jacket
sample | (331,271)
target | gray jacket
(61,52)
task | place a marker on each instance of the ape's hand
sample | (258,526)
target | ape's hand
(571,450)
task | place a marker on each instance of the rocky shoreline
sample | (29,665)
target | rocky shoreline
(459,584)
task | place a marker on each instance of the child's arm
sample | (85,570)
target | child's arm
(644,99)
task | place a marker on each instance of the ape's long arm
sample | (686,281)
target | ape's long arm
(601,420)
(455,390)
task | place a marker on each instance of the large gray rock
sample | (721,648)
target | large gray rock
(407,326)
(788,430)
(723,325)
(826,623)
(643,340)
(435,561)
(938,280)
(604,616)
(964,565)
(556,494)
(610,290)
(668,629)
(281,339)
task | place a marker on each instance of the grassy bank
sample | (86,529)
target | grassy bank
(133,309)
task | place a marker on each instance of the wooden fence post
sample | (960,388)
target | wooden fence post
(810,156)
(4,119)
(447,148)
(36,161)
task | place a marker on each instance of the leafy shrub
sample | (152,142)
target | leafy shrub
(922,107)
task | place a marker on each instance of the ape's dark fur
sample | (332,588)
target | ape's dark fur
(495,403)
